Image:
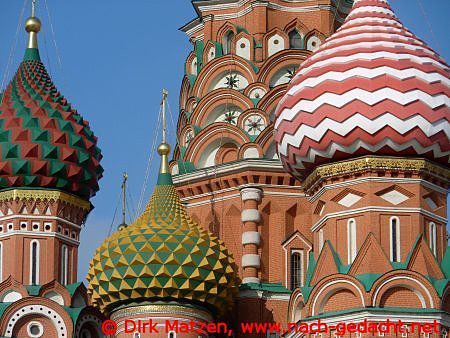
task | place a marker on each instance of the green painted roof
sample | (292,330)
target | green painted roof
(3,307)
(445,263)
(33,290)
(72,288)
(270,287)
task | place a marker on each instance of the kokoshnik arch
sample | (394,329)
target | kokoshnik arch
(309,181)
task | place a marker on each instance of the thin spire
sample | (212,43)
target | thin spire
(33,26)
(124,197)
(164,148)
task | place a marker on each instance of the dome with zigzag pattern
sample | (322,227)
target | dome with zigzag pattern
(373,88)
(44,142)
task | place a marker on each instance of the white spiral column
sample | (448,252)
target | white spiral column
(251,238)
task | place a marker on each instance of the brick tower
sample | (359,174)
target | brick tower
(49,171)
(365,126)
(225,164)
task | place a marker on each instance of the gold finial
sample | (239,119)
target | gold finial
(33,26)
(164,148)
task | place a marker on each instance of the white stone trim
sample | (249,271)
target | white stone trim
(427,184)
(39,234)
(53,316)
(375,294)
(397,241)
(313,312)
(251,260)
(250,215)
(251,280)
(376,317)
(40,217)
(251,237)
(38,261)
(395,210)
(38,324)
(262,294)
(228,168)
(251,194)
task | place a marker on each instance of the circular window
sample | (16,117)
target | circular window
(23,225)
(314,44)
(35,226)
(242,45)
(257,95)
(276,42)
(10,226)
(35,329)
(47,227)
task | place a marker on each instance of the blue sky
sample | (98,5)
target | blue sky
(116,57)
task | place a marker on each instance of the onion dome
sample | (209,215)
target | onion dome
(162,256)
(44,142)
(373,88)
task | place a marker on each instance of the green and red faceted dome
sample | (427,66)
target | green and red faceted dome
(373,88)
(44,142)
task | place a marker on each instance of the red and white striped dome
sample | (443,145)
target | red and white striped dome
(373,88)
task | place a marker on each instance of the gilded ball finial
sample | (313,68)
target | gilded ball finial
(33,24)
(163,149)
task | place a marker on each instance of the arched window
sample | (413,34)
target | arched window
(296,269)
(433,238)
(64,264)
(295,40)
(34,262)
(394,230)
(172,334)
(228,42)
(351,240)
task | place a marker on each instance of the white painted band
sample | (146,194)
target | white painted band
(251,237)
(247,280)
(251,260)
(250,215)
(251,194)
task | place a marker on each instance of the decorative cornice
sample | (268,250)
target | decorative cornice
(393,210)
(371,163)
(35,194)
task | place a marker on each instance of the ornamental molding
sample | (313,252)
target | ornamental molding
(390,180)
(394,210)
(251,194)
(250,215)
(324,172)
(165,309)
(32,194)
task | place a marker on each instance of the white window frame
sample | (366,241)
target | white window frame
(433,237)
(321,241)
(351,240)
(397,244)
(300,252)
(64,264)
(34,241)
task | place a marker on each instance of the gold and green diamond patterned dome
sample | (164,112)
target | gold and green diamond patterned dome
(163,255)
